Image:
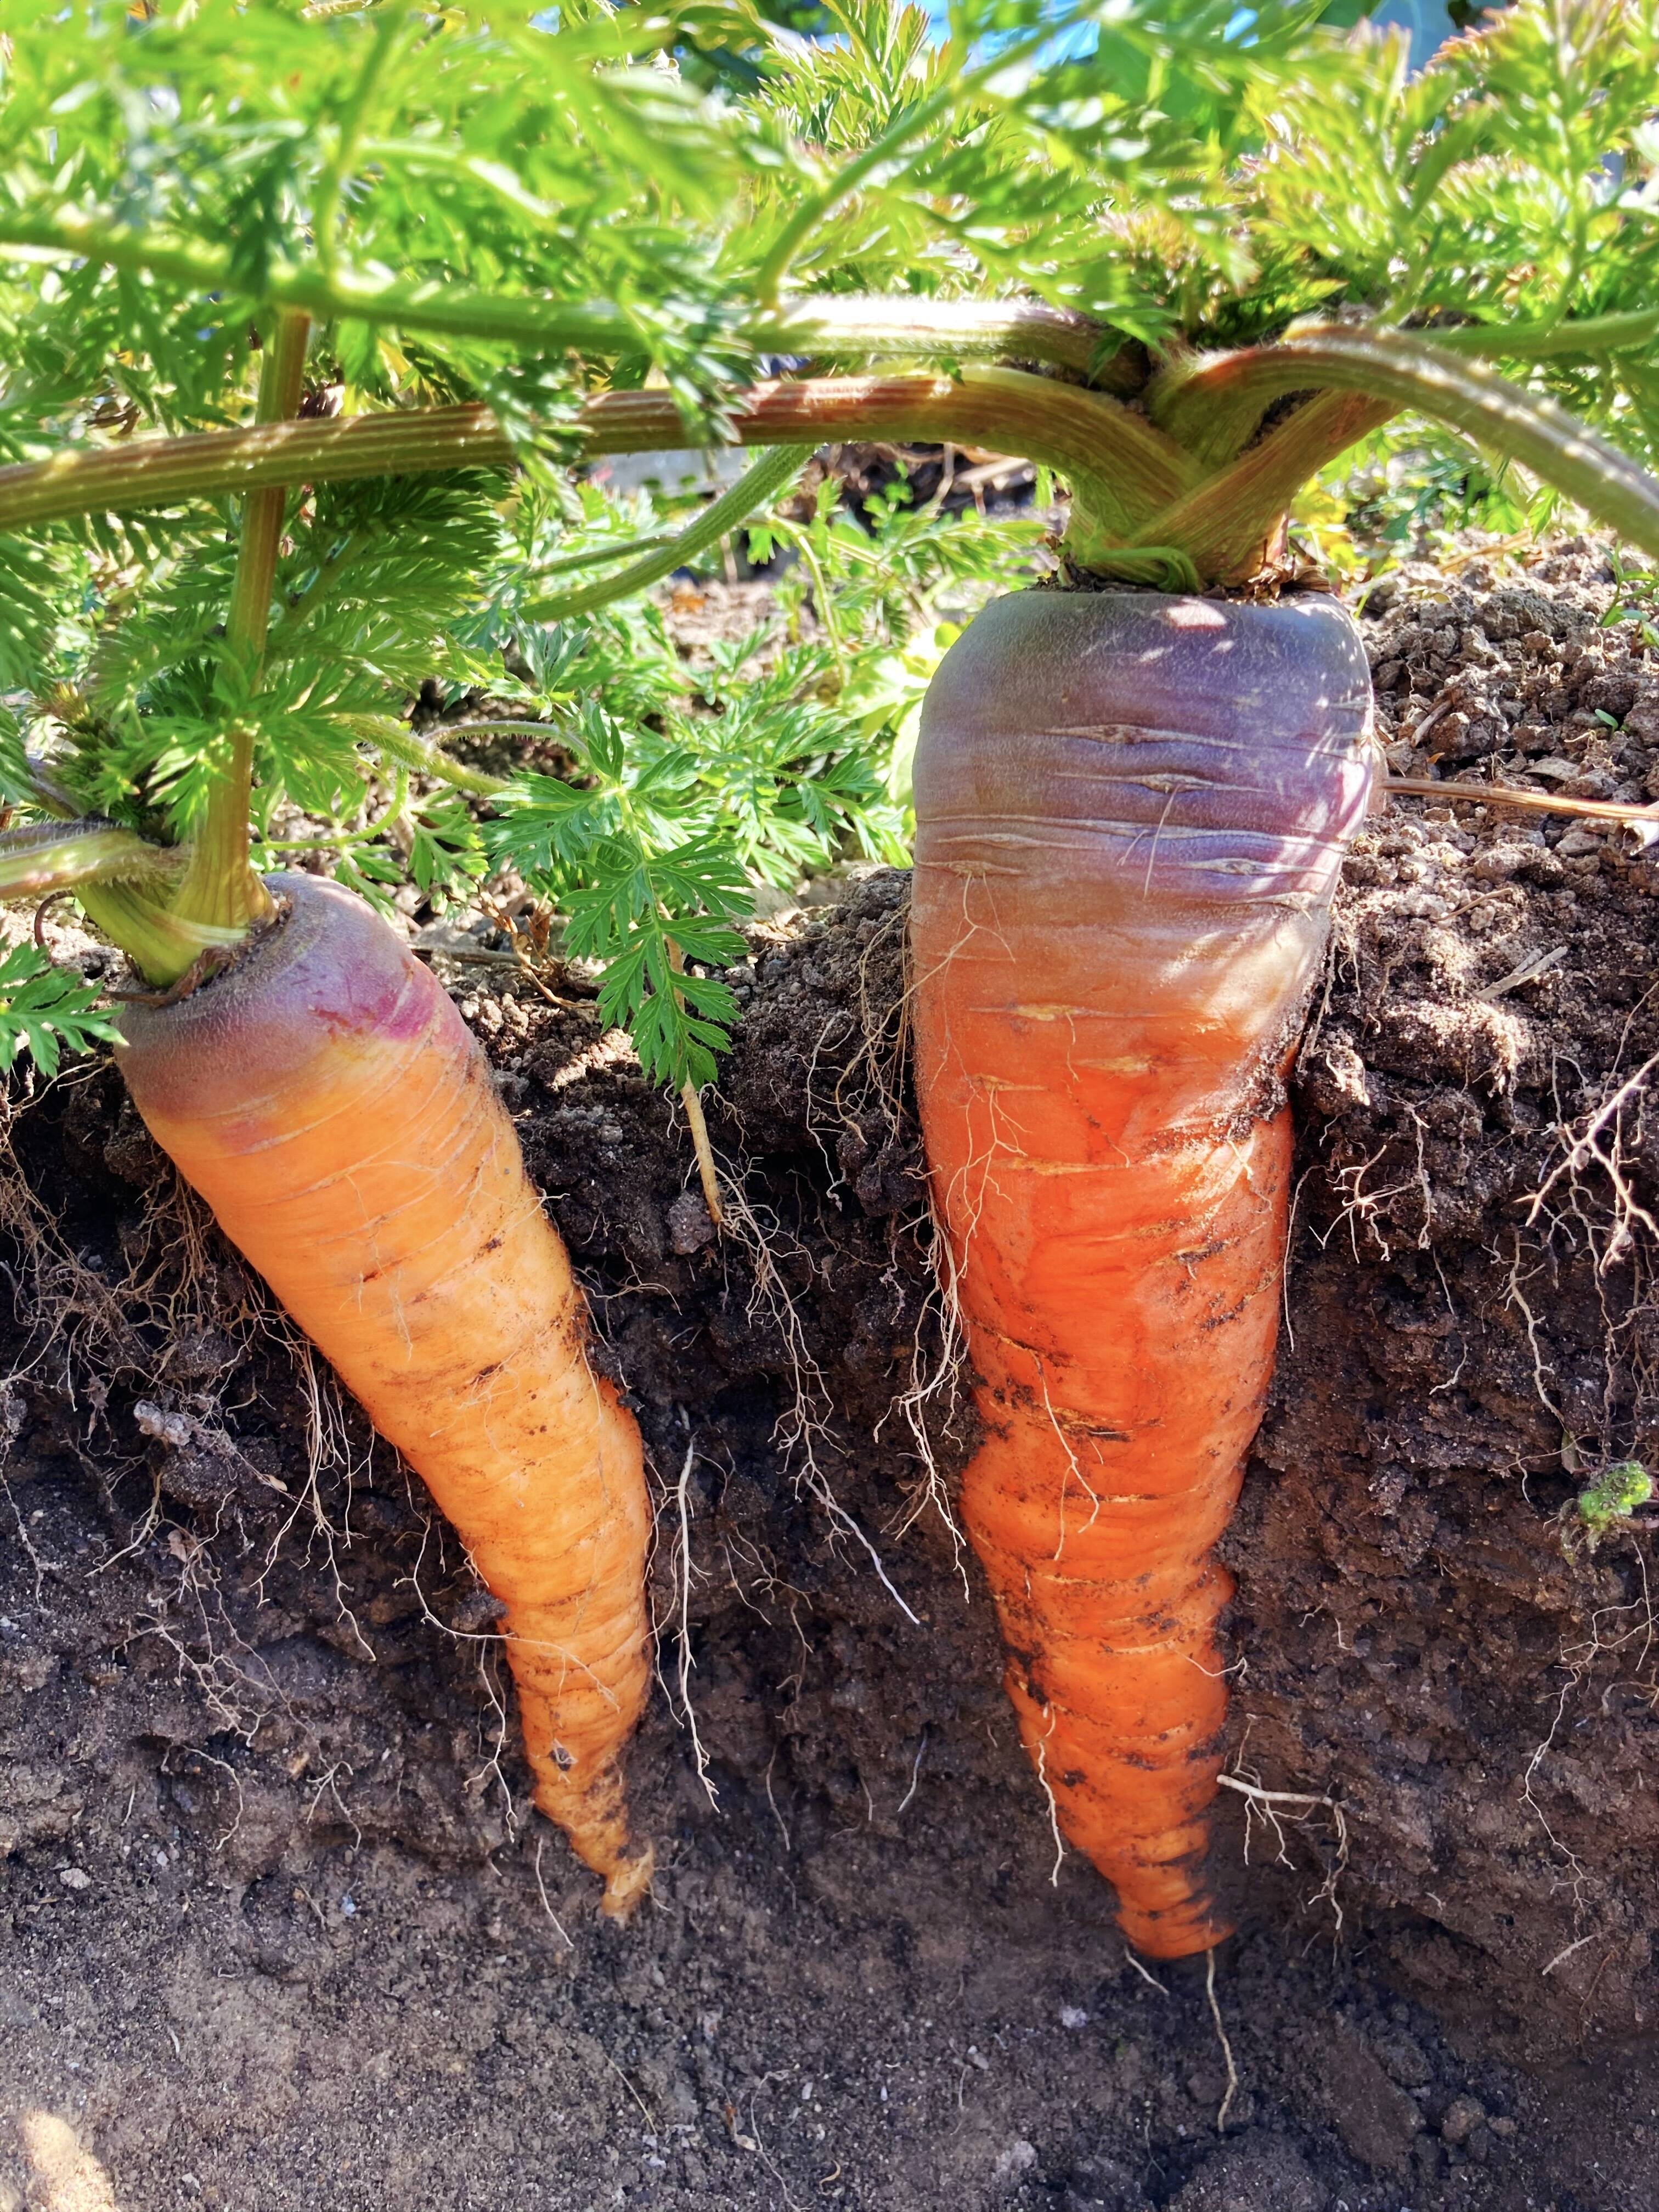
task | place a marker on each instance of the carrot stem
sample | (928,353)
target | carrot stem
(850,327)
(281,379)
(49,858)
(400,743)
(1122,469)
(1401,369)
(756,488)
(1228,524)
(707,1174)
(909,127)
(1550,339)
(354,116)
(219,886)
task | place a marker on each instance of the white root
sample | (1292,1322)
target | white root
(1221,2037)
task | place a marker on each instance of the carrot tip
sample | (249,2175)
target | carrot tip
(1186,1934)
(627,1883)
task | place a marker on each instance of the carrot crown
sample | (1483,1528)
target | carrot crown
(309,314)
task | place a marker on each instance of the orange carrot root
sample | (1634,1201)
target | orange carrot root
(329,1103)
(1131,812)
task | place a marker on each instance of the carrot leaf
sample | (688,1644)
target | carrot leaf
(46,1011)
(640,903)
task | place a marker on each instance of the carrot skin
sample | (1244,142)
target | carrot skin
(1131,815)
(327,1101)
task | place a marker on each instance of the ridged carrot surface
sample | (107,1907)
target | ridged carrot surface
(331,1107)
(1131,813)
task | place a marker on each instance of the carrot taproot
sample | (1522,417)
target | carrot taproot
(327,1101)
(1131,813)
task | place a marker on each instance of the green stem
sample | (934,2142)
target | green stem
(281,381)
(847,327)
(329,573)
(48,793)
(369,831)
(596,557)
(823,598)
(756,488)
(1122,469)
(1566,102)
(325,214)
(219,886)
(918,329)
(399,744)
(1395,370)
(49,857)
(768,278)
(1228,524)
(704,1151)
(957,89)
(1547,340)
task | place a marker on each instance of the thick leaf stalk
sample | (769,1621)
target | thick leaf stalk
(219,886)
(49,857)
(1222,399)
(1122,469)
(1196,477)
(847,327)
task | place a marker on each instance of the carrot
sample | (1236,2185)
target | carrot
(1131,814)
(327,1101)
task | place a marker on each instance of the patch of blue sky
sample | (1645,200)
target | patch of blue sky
(1428,22)
(1069,43)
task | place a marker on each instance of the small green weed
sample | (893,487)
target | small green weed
(1608,1503)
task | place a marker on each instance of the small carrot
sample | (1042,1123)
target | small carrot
(327,1101)
(1131,813)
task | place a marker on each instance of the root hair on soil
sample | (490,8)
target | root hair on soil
(804,1428)
(1047,1789)
(873,1085)
(1145,1971)
(1267,1805)
(501,1710)
(1228,2100)
(541,1891)
(683,1572)
(938,1360)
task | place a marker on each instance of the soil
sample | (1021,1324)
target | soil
(276,1928)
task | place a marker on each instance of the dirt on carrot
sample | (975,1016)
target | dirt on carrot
(268,1937)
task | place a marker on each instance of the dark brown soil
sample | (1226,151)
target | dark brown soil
(276,1929)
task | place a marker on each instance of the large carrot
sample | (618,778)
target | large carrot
(328,1102)
(1131,814)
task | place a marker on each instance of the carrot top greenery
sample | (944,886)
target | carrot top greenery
(309,314)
